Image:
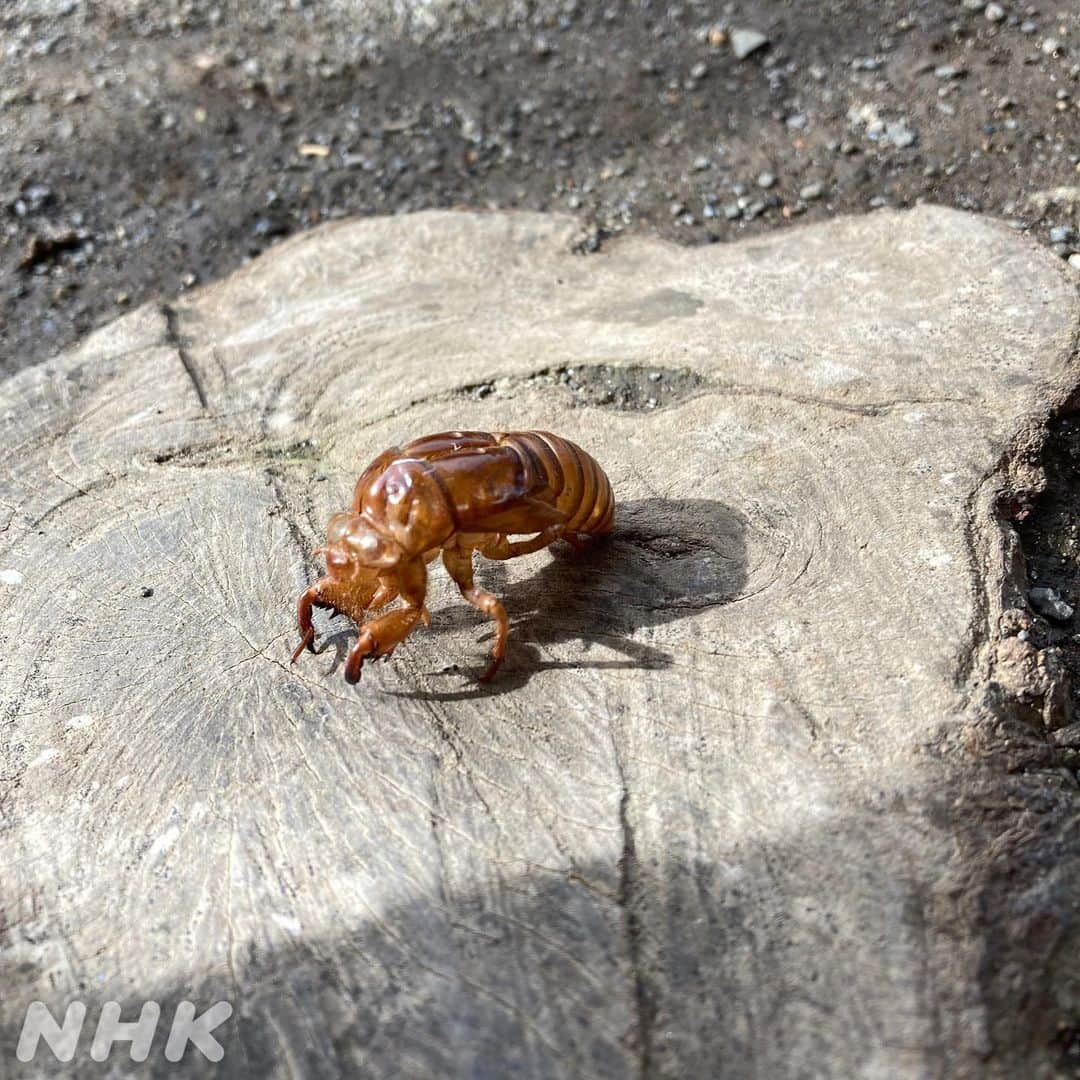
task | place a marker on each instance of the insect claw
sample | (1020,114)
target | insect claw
(303,618)
(306,642)
(489,671)
(363,648)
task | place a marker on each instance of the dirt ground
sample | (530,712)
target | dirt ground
(146,146)
(149,145)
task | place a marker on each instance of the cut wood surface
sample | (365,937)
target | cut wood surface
(718,815)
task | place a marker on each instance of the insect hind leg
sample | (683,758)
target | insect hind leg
(458,563)
(497,546)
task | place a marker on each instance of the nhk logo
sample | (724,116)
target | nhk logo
(63,1039)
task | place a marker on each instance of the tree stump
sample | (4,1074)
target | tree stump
(738,802)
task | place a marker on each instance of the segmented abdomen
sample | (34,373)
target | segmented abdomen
(582,490)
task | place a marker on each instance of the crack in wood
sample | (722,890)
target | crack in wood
(627,898)
(179,344)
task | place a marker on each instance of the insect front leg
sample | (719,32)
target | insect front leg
(381,636)
(385,594)
(458,563)
(310,598)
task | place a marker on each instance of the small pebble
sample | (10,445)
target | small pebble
(745,42)
(1061,234)
(899,134)
(765,180)
(995,12)
(812,191)
(1074,261)
(1047,602)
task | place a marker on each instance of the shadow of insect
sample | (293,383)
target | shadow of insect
(666,560)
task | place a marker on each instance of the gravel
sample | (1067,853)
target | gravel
(149,147)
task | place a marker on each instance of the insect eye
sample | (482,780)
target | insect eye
(337,527)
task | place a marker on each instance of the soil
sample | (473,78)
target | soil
(629,388)
(1050,538)
(148,146)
